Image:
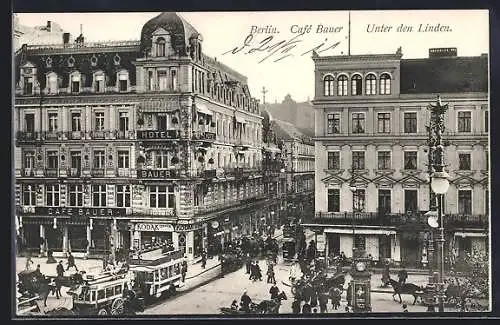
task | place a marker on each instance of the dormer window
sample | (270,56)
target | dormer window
(28,79)
(99,82)
(75,83)
(28,86)
(160,46)
(123,81)
(52,83)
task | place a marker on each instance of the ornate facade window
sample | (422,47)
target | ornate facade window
(371,84)
(385,84)
(328,82)
(342,85)
(356,85)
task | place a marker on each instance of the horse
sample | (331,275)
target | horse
(272,306)
(405,288)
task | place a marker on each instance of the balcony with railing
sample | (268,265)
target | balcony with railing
(451,221)
(97,172)
(27,136)
(51,172)
(99,135)
(75,135)
(52,135)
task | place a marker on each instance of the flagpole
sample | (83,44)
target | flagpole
(349,35)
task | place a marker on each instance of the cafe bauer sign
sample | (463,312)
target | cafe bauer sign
(80,212)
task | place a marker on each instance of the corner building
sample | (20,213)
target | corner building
(122,145)
(372,168)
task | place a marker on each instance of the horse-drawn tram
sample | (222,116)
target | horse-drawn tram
(102,294)
(156,273)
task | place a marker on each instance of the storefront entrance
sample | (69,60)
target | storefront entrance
(31,237)
(384,247)
(151,239)
(333,244)
(100,239)
(54,238)
(77,236)
(410,250)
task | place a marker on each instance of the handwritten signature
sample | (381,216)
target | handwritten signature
(278,50)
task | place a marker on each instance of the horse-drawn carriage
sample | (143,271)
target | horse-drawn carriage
(31,288)
(270,306)
(231,262)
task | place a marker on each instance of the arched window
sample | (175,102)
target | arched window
(371,84)
(357,85)
(160,46)
(342,85)
(328,85)
(52,83)
(385,84)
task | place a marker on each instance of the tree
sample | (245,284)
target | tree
(470,280)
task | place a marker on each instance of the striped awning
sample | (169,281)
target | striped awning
(159,106)
(201,108)
(361,231)
(239,119)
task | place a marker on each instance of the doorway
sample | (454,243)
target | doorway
(333,244)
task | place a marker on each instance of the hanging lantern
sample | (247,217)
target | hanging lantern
(174,160)
(55,223)
(175,120)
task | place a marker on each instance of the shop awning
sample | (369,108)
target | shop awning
(240,119)
(470,234)
(201,108)
(361,231)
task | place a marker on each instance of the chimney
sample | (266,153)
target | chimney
(66,39)
(49,26)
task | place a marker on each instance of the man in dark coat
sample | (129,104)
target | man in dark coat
(323,301)
(60,269)
(203,259)
(402,275)
(296,306)
(245,302)
(71,262)
(274,291)
(307,293)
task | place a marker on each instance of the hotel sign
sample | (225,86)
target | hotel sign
(156,227)
(157,173)
(157,134)
(80,212)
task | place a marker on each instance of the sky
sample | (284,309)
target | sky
(284,65)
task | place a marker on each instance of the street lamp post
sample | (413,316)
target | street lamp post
(439,185)
(354,210)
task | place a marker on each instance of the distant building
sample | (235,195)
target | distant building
(299,114)
(372,186)
(51,33)
(297,153)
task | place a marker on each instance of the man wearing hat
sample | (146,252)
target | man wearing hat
(60,268)
(245,301)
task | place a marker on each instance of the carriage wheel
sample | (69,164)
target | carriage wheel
(102,312)
(117,307)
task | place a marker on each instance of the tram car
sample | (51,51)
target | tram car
(157,273)
(104,294)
